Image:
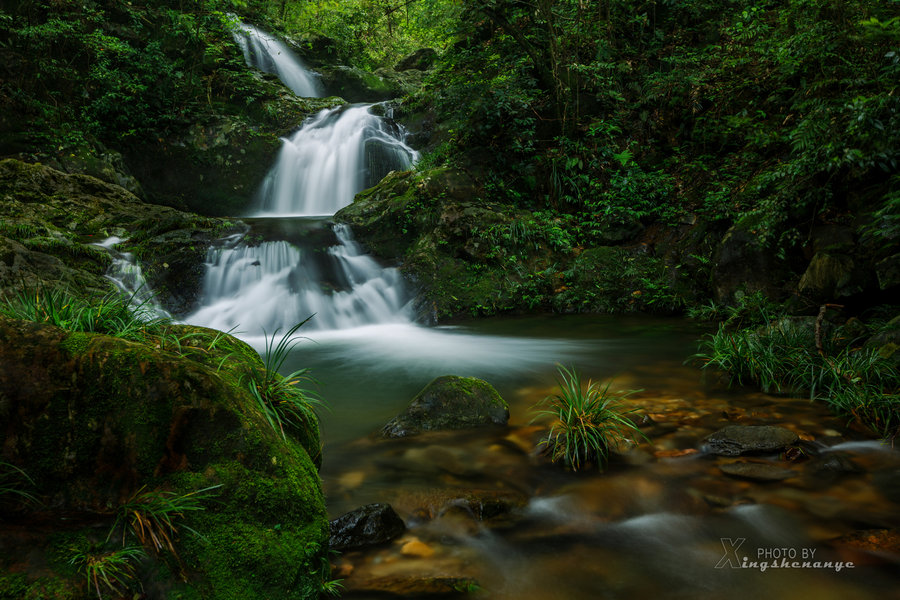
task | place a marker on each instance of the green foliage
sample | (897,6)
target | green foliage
(782,357)
(374,33)
(106,571)
(588,421)
(115,314)
(14,483)
(283,404)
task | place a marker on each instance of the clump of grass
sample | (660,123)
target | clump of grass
(110,571)
(14,483)
(114,314)
(588,421)
(282,402)
(782,357)
(151,516)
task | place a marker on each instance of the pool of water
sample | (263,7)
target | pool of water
(486,506)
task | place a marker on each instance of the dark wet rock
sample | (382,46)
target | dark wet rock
(832,464)
(368,525)
(358,85)
(450,402)
(478,504)
(888,483)
(831,275)
(743,264)
(411,586)
(756,471)
(420,60)
(888,272)
(215,166)
(735,440)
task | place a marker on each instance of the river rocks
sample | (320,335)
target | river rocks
(450,402)
(735,440)
(756,471)
(368,525)
(92,419)
(412,586)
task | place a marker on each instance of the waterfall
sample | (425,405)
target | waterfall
(270,55)
(279,275)
(331,158)
(276,284)
(126,274)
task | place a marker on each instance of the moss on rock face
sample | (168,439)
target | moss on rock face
(92,418)
(450,402)
(49,219)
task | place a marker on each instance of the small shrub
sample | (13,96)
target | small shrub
(588,421)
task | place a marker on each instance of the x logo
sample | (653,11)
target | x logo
(731,558)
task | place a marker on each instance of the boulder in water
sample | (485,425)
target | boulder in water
(368,525)
(735,440)
(450,402)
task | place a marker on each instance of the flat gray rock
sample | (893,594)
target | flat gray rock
(735,440)
(756,471)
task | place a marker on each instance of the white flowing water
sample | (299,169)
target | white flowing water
(126,274)
(334,156)
(272,286)
(270,55)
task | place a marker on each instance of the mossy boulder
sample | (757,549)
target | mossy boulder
(50,221)
(357,85)
(92,419)
(447,403)
(831,276)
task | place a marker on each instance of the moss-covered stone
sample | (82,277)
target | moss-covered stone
(51,218)
(450,402)
(92,419)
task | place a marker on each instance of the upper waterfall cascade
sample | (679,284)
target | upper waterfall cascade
(271,55)
(333,156)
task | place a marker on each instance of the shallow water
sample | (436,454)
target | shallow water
(485,505)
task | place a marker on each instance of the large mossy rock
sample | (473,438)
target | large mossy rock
(92,418)
(357,85)
(49,221)
(448,403)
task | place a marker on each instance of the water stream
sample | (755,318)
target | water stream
(484,505)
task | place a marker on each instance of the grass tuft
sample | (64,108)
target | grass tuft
(283,403)
(588,421)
